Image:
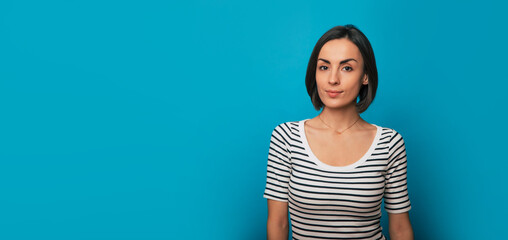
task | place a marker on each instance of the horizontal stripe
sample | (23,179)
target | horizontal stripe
(335,214)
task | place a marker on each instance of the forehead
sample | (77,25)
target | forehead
(339,49)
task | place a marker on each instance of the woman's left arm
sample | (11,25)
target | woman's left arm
(399,226)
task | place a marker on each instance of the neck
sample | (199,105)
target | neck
(340,118)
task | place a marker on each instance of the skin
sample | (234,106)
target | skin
(340,66)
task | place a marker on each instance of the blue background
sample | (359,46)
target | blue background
(152,119)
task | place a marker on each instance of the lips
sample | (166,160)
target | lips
(333,93)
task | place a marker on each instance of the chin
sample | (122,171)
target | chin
(337,104)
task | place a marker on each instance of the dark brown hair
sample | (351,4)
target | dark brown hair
(352,33)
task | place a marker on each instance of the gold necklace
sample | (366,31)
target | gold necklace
(338,130)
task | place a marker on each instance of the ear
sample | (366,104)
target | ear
(365,80)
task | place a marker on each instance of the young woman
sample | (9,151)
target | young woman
(333,171)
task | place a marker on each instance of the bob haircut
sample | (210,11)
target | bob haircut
(367,92)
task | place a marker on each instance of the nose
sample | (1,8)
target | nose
(334,77)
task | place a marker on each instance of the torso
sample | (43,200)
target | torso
(336,149)
(329,198)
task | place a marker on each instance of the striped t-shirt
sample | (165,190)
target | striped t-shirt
(332,202)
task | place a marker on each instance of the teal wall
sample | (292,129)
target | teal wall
(152,119)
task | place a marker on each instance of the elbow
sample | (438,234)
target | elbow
(277,229)
(400,227)
(278,223)
(402,233)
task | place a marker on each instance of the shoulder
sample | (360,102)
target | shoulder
(390,132)
(394,138)
(292,127)
(288,131)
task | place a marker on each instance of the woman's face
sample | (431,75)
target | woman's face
(339,73)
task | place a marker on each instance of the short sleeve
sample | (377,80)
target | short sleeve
(278,167)
(396,194)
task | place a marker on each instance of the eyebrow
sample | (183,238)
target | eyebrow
(341,62)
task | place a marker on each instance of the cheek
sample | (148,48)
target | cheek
(319,76)
(320,80)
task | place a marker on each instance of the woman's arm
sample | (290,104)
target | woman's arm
(399,226)
(277,225)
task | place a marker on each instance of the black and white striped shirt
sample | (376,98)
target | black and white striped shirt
(331,202)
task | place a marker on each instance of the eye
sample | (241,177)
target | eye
(323,67)
(348,68)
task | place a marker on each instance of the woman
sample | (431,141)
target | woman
(333,171)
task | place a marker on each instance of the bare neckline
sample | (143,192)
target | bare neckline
(337,168)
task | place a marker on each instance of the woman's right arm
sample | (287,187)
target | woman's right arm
(277,225)
(278,174)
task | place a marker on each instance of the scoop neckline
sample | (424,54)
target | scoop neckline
(335,168)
